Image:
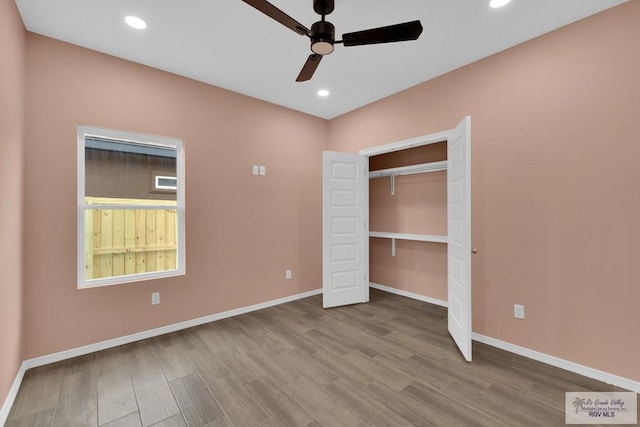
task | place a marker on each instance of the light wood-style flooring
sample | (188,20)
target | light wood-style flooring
(387,363)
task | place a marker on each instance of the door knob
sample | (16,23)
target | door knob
(474,251)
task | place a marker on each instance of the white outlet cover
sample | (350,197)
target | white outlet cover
(155,298)
(263,170)
(518,311)
(287,275)
(256,170)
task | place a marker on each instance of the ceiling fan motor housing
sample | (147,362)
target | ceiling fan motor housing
(322,37)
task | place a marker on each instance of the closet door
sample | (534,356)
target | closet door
(459,232)
(345,230)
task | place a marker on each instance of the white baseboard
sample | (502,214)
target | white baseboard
(561,363)
(408,294)
(91,348)
(531,354)
(11,396)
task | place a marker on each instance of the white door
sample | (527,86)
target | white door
(459,232)
(345,245)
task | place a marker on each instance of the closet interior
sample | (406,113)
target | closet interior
(408,220)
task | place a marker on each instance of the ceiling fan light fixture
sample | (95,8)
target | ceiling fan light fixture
(498,3)
(322,47)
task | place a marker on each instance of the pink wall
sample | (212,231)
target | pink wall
(243,231)
(555,175)
(12,92)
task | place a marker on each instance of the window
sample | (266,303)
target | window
(129,230)
(165,183)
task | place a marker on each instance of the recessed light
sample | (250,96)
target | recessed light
(498,3)
(135,22)
(323,93)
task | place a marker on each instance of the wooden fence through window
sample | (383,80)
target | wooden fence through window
(120,242)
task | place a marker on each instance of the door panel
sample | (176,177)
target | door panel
(345,232)
(459,232)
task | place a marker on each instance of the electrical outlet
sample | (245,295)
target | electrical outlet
(518,311)
(256,170)
(287,274)
(155,298)
(263,170)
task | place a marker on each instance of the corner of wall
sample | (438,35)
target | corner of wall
(12,128)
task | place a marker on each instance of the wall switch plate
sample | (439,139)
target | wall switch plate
(263,170)
(287,274)
(155,298)
(256,170)
(518,311)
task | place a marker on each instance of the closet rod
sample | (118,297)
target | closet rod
(407,170)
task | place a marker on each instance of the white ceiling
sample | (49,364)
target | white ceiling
(229,44)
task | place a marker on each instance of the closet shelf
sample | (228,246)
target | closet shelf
(408,170)
(409,236)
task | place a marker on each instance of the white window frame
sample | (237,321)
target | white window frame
(158,186)
(131,137)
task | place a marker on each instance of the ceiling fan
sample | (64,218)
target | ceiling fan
(322,33)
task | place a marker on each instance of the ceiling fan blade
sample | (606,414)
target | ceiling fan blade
(278,15)
(309,67)
(392,33)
